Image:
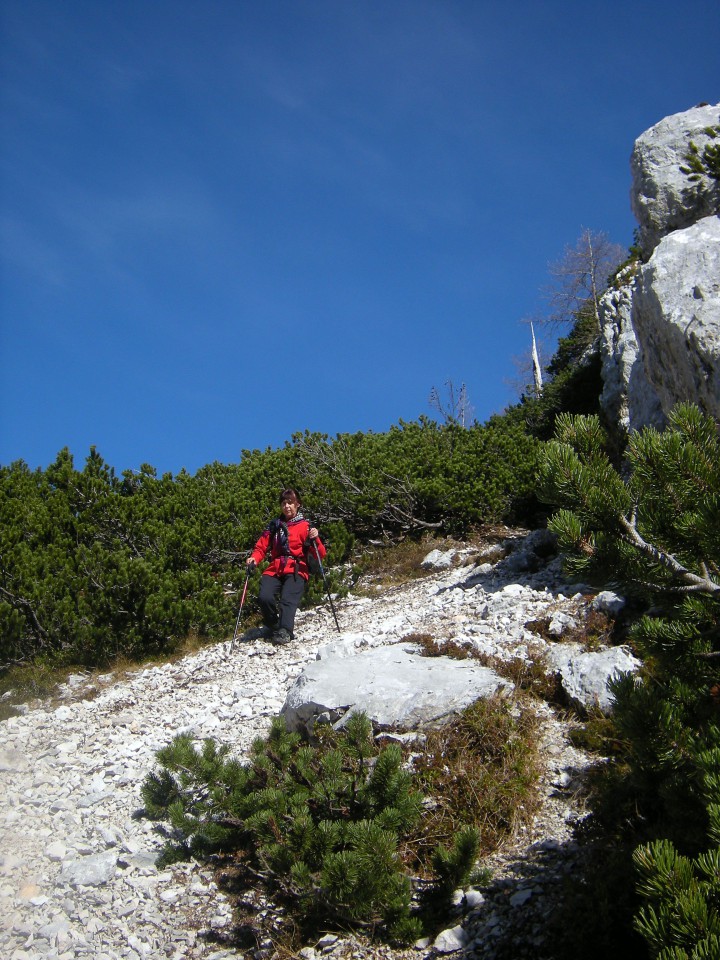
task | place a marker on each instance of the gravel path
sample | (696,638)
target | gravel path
(77,873)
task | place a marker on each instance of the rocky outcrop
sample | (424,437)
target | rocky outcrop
(676,317)
(628,397)
(662,198)
(585,674)
(660,326)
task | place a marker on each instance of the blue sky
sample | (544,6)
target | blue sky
(225,221)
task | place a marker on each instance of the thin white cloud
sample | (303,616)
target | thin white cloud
(85,232)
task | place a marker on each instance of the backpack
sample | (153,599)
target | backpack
(279,538)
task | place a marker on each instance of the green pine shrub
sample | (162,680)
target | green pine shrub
(98,568)
(653,530)
(419,476)
(702,168)
(326,826)
(680,916)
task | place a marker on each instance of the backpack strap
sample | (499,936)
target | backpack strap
(279,535)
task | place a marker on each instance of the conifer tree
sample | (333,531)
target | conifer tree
(680,918)
(322,823)
(654,530)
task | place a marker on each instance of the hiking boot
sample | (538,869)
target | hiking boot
(281,637)
(257,633)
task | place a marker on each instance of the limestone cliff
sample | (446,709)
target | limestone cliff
(660,339)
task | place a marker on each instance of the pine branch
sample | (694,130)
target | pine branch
(26,607)
(693,582)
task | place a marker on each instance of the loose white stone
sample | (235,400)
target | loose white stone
(455,938)
(56,850)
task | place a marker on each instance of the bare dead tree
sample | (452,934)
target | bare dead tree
(581,277)
(322,461)
(457,409)
(537,369)
(529,377)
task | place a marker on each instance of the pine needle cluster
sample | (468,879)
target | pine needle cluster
(702,168)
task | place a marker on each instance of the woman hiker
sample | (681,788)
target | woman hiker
(289,538)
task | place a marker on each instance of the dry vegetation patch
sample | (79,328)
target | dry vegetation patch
(383,565)
(595,631)
(530,674)
(481,769)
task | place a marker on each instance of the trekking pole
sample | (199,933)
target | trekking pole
(322,571)
(242,601)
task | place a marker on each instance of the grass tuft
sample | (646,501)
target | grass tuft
(595,632)
(481,769)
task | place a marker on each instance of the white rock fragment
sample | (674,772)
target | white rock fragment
(450,940)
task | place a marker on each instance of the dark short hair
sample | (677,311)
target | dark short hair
(290,493)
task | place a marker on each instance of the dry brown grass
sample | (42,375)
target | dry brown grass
(481,769)
(381,567)
(430,647)
(595,632)
(532,674)
(394,563)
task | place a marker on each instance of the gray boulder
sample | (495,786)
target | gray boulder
(394,685)
(585,675)
(451,940)
(661,196)
(528,554)
(609,602)
(676,317)
(628,398)
(93,871)
(439,560)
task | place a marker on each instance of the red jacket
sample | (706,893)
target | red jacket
(294,561)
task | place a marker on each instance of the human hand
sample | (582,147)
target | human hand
(313,533)
(250,564)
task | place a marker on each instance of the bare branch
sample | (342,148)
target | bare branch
(581,277)
(690,582)
(26,607)
(458,409)
(331,459)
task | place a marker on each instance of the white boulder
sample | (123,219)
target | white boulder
(676,317)
(662,197)
(393,685)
